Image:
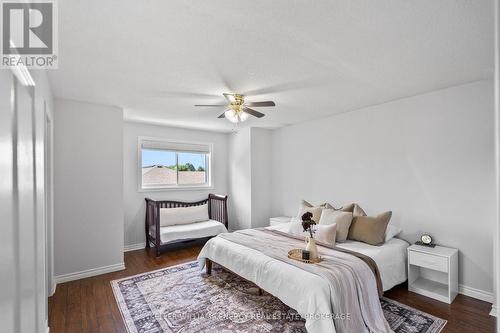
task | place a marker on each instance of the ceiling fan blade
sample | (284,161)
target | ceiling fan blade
(180,94)
(261,104)
(229,97)
(210,105)
(254,113)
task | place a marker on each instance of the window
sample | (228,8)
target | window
(167,164)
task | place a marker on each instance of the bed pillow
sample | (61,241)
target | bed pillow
(183,215)
(341,219)
(324,233)
(370,230)
(307,207)
(391,232)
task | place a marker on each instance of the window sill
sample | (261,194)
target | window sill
(174,189)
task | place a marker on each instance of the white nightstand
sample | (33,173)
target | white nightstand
(279,220)
(433,272)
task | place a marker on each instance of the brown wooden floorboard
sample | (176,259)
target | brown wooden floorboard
(88,305)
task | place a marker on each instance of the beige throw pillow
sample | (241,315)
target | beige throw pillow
(354,208)
(307,207)
(329,206)
(323,233)
(341,219)
(306,203)
(370,230)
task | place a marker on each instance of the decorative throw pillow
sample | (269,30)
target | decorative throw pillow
(370,230)
(354,208)
(306,203)
(329,206)
(307,207)
(183,215)
(324,233)
(341,219)
(391,232)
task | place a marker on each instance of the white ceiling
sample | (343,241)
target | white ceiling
(158,58)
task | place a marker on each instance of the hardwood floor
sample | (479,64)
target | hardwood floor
(88,305)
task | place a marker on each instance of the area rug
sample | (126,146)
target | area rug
(183,299)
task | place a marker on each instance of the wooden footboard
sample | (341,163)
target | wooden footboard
(208,270)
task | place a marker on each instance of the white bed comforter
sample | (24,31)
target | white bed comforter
(389,257)
(287,282)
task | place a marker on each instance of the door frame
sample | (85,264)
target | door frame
(49,200)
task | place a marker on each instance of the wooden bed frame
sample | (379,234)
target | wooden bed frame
(217,210)
(208,271)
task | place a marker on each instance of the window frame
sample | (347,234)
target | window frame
(176,187)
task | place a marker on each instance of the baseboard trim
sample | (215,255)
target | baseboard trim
(89,273)
(493,311)
(476,293)
(53,287)
(133,247)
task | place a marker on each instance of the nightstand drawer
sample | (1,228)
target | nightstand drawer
(428,261)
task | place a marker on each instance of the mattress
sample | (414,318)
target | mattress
(202,229)
(390,258)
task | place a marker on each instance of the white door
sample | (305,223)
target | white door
(22,266)
(8,263)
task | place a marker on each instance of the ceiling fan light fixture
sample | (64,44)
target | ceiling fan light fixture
(231,115)
(236,116)
(243,116)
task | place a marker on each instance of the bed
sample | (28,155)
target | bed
(290,283)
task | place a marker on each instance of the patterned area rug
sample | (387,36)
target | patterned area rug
(182,299)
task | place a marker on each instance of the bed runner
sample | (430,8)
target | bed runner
(352,277)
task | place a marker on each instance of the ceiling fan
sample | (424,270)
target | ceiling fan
(239,109)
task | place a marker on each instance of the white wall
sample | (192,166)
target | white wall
(428,158)
(250,178)
(261,167)
(88,184)
(134,200)
(240,179)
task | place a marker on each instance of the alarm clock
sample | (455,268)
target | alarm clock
(425,240)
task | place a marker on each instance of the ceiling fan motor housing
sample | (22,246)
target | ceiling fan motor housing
(238,103)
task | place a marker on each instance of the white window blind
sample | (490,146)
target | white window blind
(176,146)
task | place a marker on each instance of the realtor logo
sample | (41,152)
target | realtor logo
(29,33)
